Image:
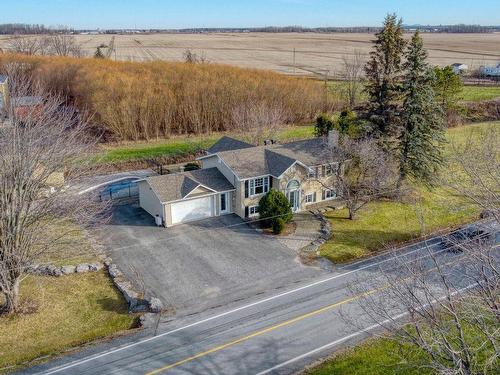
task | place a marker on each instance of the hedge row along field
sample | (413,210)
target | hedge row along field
(148,100)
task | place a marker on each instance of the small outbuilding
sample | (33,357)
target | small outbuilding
(459,68)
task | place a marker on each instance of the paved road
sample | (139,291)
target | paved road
(276,334)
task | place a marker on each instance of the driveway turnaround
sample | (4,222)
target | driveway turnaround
(201,265)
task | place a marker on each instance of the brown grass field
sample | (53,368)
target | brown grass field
(316,53)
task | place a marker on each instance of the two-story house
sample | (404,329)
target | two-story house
(235,175)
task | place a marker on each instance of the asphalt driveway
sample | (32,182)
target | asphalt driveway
(200,265)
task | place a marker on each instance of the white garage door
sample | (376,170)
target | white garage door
(193,209)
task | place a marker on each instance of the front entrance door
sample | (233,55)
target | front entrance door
(293,194)
(293,198)
(224,203)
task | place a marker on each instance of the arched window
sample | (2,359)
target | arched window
(293,185)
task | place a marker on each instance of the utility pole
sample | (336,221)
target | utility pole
(294,61)
(326,87)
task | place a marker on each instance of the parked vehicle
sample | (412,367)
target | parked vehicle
(456,241)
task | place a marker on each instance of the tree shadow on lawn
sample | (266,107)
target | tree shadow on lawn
(347,245)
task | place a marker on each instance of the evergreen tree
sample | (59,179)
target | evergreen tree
(324,124)
(447,86)
(98,54)
(383,71)
(421,133)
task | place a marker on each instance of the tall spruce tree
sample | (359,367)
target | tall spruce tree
(421,131)
(383,71)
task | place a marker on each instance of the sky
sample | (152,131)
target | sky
(248,13)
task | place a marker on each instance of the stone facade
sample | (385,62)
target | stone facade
(307,185)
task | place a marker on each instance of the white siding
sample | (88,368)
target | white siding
(213,162)
(149,201)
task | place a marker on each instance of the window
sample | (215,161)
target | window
(311,172)
(327,170)
(311,198)
(259,185)
(253,210)
(329,194)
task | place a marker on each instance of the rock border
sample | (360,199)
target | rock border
(309,254)
(137,302)
(52,270)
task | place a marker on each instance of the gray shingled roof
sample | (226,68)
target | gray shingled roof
(276,159)
(3,78)
(228,144)
(176,186)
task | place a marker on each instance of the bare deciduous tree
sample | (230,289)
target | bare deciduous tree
(192,57)
(446,308)
(36,145)
(353,73)
(64,45)
(477,162)
(365,173)
(24,45)
(444,301)
(59,45)
(258,121)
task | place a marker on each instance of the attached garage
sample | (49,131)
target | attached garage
(194,209)
(184,197)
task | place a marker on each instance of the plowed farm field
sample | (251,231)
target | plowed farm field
(315,53)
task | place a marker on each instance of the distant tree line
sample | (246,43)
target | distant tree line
(300,29)
(25,29)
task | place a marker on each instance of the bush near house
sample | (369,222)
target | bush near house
(275,206)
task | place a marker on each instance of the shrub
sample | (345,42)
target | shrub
(348,124)
(324,124)
(275,205)
(278,225)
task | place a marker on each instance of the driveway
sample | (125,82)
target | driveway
(200,265)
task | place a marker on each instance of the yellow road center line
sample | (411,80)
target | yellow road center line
(263,331)
(285,323)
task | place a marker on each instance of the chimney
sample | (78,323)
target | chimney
(333,138)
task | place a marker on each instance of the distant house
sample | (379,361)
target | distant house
(490,71)
(459,68)
(24,105)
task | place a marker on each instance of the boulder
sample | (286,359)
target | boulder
(114,272)
(82,267)
(55,271)
(68,270)
(107,261)
(155,305)
(148,320)
(95,267)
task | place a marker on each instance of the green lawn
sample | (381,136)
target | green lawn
(62,312)
(373,357)
(70,311)
(181,147)
(479,93)
(469,94)
(383,223)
